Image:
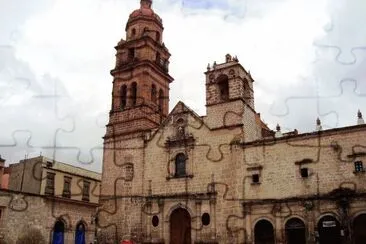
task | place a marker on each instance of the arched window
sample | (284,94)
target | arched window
(133,32)
(161,100)
(153,93)
(157,59)
(157,36)
(134,93)
(58,232)
(80,233)
(180,165)
(223,84)
(123,96)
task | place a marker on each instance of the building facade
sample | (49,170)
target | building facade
(58,199)
(177,177)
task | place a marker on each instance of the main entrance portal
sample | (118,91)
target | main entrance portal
(180,227)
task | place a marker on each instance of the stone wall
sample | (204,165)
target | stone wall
(19,211)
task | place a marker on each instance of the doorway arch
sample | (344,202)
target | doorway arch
(58,232)
(329,230)
(264,232)
(295,231)
(180,227)
(80,233)
(359,229)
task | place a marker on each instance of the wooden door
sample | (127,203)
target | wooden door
(180,227)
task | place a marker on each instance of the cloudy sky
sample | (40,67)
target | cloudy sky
(307,57)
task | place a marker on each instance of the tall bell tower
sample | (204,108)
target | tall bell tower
(140,100)
(140,96)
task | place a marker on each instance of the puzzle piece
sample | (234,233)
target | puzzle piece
(347,50)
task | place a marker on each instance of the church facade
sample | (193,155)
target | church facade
(177,177)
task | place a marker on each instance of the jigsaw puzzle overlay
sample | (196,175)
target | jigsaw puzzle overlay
(231,200)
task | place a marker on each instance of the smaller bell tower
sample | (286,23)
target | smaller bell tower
(230,97)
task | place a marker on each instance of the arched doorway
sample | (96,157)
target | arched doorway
(180,227)
(80,233)
(295,231)
(263,232)
(329,230)
(359,229)
(58,232)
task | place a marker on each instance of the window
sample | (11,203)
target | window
(223,84)
(67,187)
(157,36)
(123,96)
(304,172)
(133,32)
(131,54)
(205,219)
(161,100)
(255,178)
(155,221)
(86,187)
(134,93)
(180,165)
(359,166)
(153,93)
(50,184)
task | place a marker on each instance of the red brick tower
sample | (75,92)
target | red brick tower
(141,81)
(140,100)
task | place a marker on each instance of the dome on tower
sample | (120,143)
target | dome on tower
(145,11)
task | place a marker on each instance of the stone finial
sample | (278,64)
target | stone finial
(360,120)
(214,65)
(228,58)
(318,125)
(235,59)
(208,67)
(145,3)
(278,131)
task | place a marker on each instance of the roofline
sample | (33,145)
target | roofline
(307,135)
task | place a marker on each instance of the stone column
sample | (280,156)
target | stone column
(197,232)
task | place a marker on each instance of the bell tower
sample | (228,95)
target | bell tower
(140,96)
(230,98)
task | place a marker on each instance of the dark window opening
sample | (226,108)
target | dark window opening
(255,178)
(157,36)
(134,93)
(155,221)
(131,54)
(86,187)
(157,58)
(67,187)
(180,165)
(223,83)
(205,219)
(123,96)
(161,100)
(50,184)
(133,32)
(304,172)
(153,93)
(359,166)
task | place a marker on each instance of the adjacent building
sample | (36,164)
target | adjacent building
(177,177)
(60,200)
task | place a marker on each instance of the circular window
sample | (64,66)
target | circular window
(205,219)
(155,220)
